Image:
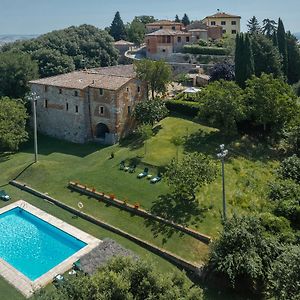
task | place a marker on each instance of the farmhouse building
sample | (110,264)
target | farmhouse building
(231,24)
(87,105)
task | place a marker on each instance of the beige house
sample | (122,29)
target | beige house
(231,24)
(89,105)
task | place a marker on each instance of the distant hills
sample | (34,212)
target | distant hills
(9,38)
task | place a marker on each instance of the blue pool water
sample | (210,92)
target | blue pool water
(33,246)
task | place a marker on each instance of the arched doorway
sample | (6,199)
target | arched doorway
(101,130)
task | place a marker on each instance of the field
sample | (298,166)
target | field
(248,169)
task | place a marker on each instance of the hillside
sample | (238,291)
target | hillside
(9,38)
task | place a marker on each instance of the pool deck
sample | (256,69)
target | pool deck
(23,283)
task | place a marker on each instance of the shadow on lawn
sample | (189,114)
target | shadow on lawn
(172,208)
(4,156)
(239,146)
(48,145)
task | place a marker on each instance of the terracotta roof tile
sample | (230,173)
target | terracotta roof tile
(164,22)
(167,32)
(109,78)
(223,15)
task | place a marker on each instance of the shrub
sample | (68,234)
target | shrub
(296,87)
(196,49)
(290,168)
(284,190)
(187,108)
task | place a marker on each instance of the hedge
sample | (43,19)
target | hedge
(196,49)
(187,108)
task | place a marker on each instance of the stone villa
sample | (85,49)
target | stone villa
(89,105)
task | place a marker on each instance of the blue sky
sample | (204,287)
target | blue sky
(41,16)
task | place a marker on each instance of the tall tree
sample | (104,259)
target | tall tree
(136,31)
(293,52)
(117,28)
(266,56)
(16,69)
(145,19)
(13,118)
(157,74)
(269,26)
(244,65)
(185,20)
(282,46)
(253,26)
(177,19)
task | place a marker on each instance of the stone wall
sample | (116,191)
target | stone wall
(57,116)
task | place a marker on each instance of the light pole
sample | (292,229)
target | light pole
(223,153)
(34,97)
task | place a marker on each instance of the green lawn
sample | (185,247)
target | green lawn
(248,170)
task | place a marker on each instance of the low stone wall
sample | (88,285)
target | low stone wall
(174,259)
(110,199)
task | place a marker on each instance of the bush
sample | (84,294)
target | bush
(284,190)
(296,87)
(187,108)
(290,169)
(196,49)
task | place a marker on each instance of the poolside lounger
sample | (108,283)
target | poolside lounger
(156,178)
(143,174)
(4,196)
(132,169)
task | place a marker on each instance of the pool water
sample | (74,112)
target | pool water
(33,246)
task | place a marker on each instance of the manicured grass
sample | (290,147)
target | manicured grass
(8,292)
(248,169)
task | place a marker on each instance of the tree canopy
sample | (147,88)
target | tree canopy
(59,51)
(253,26)
(224,70)
(136,31)
(222,105)
(185,20)
(13,118)
(150,111)
(125,279)
(16,70)
(190,173)
(270,102)
(117,28)
(157,74)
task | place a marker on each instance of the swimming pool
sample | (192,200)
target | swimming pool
(33,246)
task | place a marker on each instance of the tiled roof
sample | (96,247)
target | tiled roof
(109,78)
(164,22)
(223,15)
(167,32)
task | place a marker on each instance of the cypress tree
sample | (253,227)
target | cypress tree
(238,58)
(253,26)
(249,61)
(117,28)
(177,20)
(282,46)
(274,39)
(185,20)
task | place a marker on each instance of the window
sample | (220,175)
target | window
(233,31)
(101,110)
(76,108)
(76,93)
(46,88)
(67,106)
(163,50)
(160,27)
(233,22)
(187,39)
(168,40)
(127,89)
(173,28)
(60,91)
(179,39)
(223,22)
(224,31)
(212,23)
(46,103)
(139,89)
(101,92)
(129,109)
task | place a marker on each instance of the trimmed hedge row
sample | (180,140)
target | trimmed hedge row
(187,108)
(196,49)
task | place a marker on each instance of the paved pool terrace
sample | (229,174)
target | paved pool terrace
(17,279)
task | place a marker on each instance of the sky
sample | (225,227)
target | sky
(41,16)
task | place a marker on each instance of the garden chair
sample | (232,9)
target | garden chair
(132,169)
(4,196)
(143,174)
(122,165)
(156,178)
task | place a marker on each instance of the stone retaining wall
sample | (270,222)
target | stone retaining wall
(110,199)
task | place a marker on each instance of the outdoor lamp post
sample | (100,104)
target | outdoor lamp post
(223,153)
(34,97)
